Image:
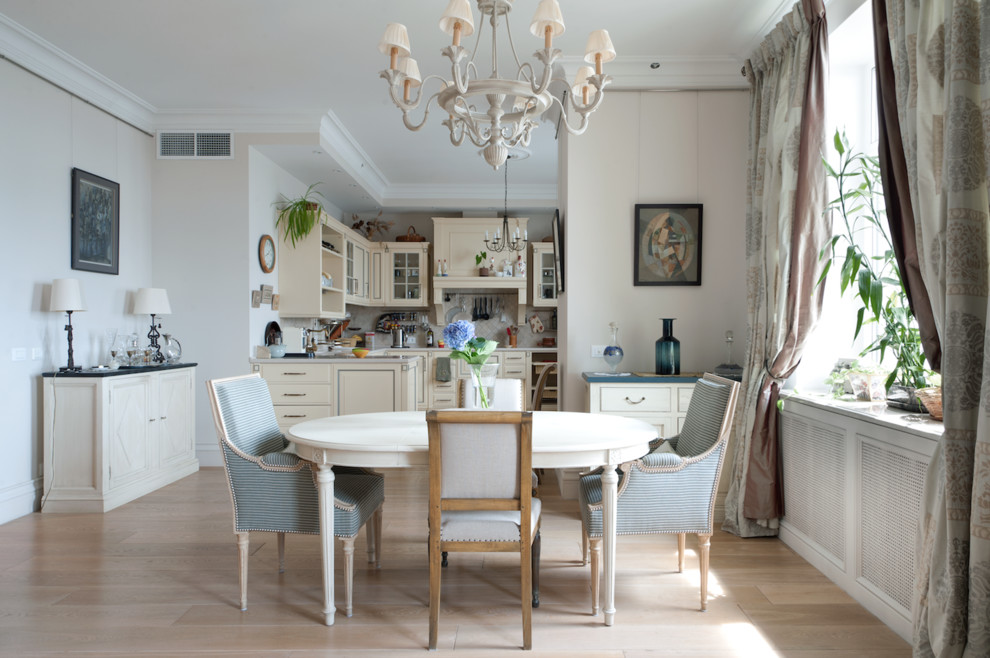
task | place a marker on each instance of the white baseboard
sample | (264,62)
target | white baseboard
(208,455)
(20,500)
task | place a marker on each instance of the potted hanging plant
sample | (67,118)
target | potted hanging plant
(481,260)
(874,281)
(298,216)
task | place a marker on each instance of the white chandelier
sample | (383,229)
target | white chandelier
(496,112)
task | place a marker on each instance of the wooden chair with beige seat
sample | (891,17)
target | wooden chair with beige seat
(480,499)
(670,490)
(275,491)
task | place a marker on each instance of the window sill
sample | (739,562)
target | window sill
(876,413)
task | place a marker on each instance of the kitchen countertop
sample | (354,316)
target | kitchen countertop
(640,378)
(447,349)
(377,356)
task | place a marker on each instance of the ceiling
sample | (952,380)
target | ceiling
(306,66)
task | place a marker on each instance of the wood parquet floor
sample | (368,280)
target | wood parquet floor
(158,577)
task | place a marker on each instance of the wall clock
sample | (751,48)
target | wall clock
(266,253)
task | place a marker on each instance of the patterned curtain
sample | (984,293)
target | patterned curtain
(784,232)
(941,56)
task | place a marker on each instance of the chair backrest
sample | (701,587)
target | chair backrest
(477,461)
(508,395)
(709,415)
(244,415)
(541,384)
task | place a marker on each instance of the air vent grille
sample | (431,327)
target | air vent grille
(892,485)
(815,487)
(192,145)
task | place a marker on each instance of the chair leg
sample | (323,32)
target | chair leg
(704,543)
(348,544)
(526,584)
(537,547)
(596,561)
(281,551)
(243,538)
(584,547)
(369,532)
(681,537)
(443,559)
(434,593)
(378,537)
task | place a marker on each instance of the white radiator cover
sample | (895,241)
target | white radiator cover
(853,483)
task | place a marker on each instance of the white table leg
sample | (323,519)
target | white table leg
(610,480)
(324,483)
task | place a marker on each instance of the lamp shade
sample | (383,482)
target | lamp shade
(581,79)
(395,37)
(410,69)
(547,14)
(599,43)
(151,301)
(457,11)
(67,295)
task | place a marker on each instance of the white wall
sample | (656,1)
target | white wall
(44,133)
(653,147)
(209,216)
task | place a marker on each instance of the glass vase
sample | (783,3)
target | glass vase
(613,353)
(483,381)
(668,352)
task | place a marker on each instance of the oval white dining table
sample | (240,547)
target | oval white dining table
(561,439)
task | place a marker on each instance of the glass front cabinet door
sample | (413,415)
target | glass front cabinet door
(542,275)
(407,273)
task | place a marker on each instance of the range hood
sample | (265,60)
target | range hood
(443,285)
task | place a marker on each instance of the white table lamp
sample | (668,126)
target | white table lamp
(153,301)
(67,297)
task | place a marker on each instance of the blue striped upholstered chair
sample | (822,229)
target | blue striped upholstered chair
(275,491)
(672,488)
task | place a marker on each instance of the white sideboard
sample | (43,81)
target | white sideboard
(113,436)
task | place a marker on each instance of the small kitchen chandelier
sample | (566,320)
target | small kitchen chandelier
(496,112)
(504,240)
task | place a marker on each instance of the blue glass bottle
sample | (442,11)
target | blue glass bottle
(668,354)
(613,353)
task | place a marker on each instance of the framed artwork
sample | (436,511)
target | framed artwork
(275,299)
(255,299)
(95,223)
(266,294)
(558,252)
(667,250)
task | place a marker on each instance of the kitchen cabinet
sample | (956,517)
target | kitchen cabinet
(300,391)
(113,436)
(423,374)
(358,266)
(361,390)
(311,274)
(406,270)
(377,274)
(542,275)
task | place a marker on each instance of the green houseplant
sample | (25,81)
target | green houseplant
(298,216)
(873,280)
(481,260)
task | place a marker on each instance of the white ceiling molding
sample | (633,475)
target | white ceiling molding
(338,142)
(634,73)
(240,121)
(51,63)
(470,196)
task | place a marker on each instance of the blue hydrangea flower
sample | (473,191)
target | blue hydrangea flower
(457,334)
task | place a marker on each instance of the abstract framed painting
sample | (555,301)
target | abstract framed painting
(667,250)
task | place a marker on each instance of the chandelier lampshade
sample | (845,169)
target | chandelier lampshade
(497,112)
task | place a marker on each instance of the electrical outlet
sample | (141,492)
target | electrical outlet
(597,351)
(36,353)
(18,354)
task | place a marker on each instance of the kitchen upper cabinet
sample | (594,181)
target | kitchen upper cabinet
(543,275)
(406,269)
(311,274)
(358,266)
(111,438)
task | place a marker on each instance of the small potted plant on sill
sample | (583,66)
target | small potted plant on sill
(297,217)
(481,260)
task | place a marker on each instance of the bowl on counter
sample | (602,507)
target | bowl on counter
(360,352)
(277,351)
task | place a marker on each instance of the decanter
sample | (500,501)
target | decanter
(613,353)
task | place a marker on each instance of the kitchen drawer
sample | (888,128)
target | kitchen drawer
(514,358)
(635,399)
(464,370)
(299,394)
(296,372)
(512,371)
(684,394)
(441,400)
(290,414)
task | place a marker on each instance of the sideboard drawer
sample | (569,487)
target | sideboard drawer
(296,372)
(294,394)
(635,399)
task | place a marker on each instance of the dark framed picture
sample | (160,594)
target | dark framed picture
(667,250)
(95,223)
(558,252)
